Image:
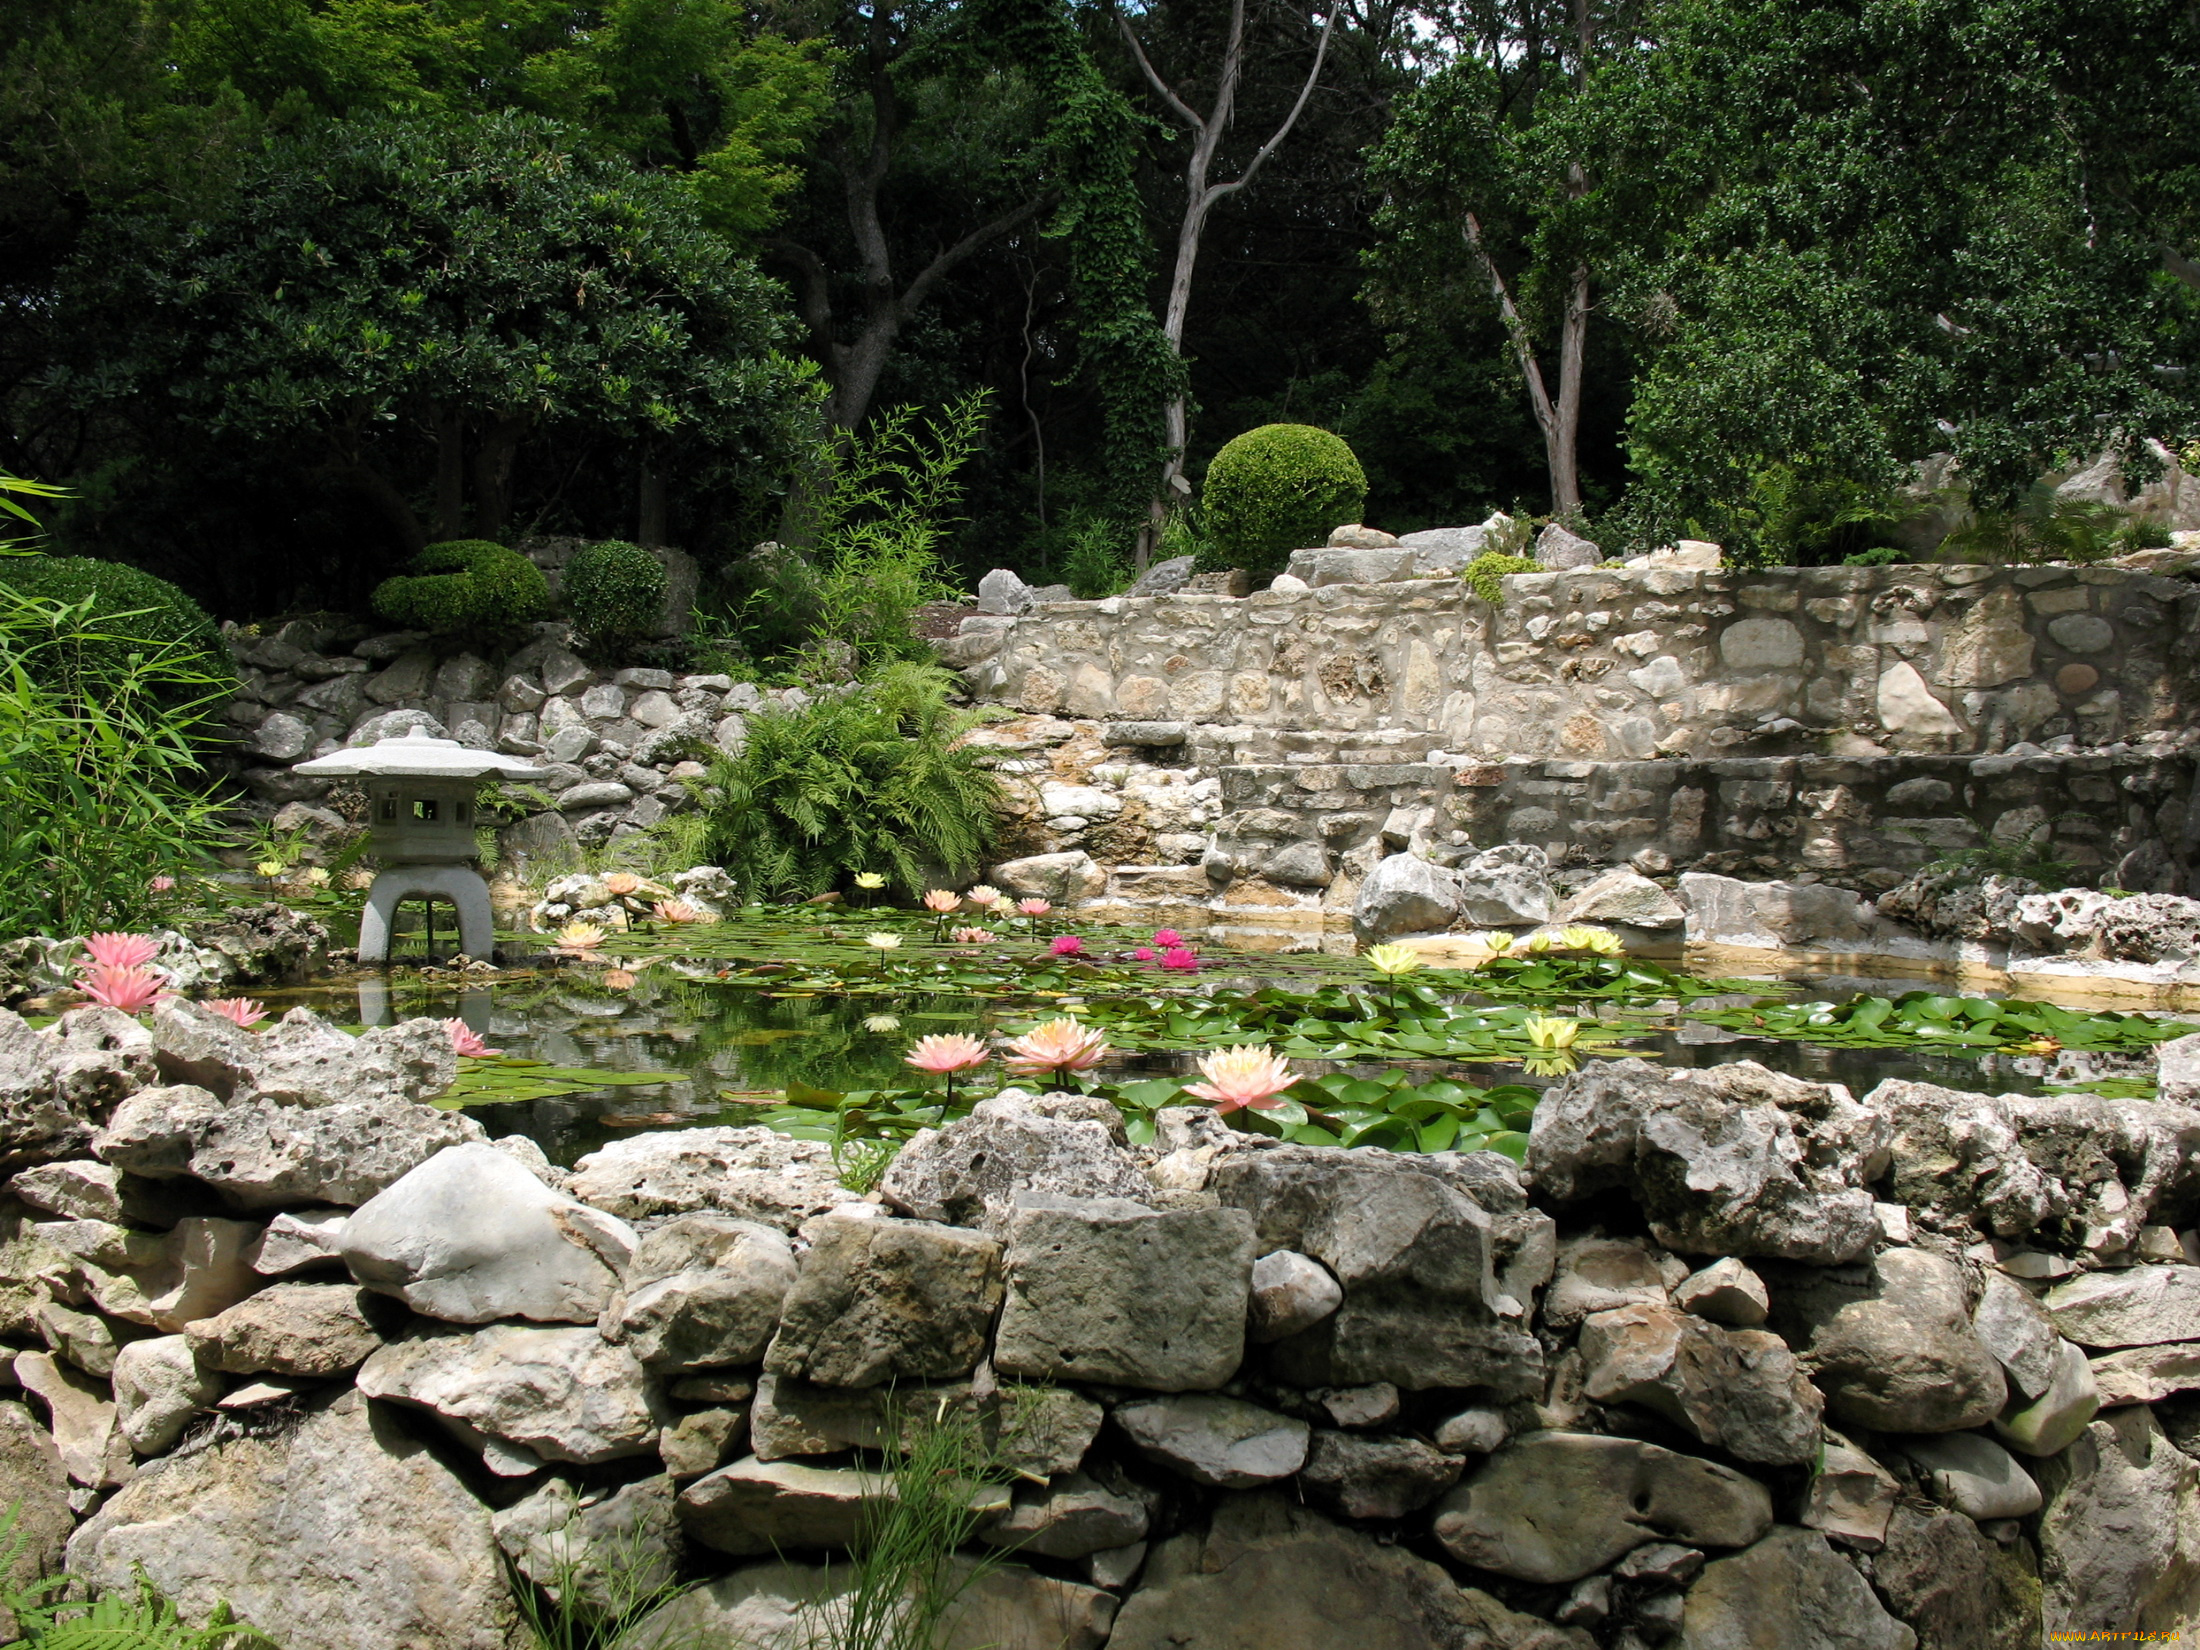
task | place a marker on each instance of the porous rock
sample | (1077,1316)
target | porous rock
(59,1084)
(1740,1390)
(1556,1506)
(301,1061)
(310,1329)
(1795,1587)
(754,1173)
(1103,1289)
(1223,1442)
(1600,1274)
(880,1300)
(1731,1159)
(564,1394)
(701,1292)
(343,1533)
(1891,1343)
(470,1236)
(1505,886)
(968,1172)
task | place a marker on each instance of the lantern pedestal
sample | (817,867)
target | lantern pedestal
(461,885)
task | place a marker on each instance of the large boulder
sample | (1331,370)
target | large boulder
(1265,1574)
(1792,1590)
(343,1533)
(1065,878)
(1437,1257)
(881,1300)
(1556,1506)
(701,1292)
(969,1171)
(313,1330)
(1103,1289)
(558,1394)
(753,1173)
(471,1236)
(1891,1342)
(1404,894)
(1505,886)
(1725,1160)
(2119,1536)
(1954,1587)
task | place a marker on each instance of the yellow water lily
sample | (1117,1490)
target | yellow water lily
(580,936)
(1540,941)
(1598,942)
(271,868)
(1551,1037)
(1496,941)
(1392,959)
(870,880)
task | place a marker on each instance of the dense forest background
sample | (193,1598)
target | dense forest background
(291,287)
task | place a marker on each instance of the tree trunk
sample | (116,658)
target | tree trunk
(499,445)
(649,511)
(450,473)
(1560,420)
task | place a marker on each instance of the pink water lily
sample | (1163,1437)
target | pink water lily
(972,936)
(1067,945)
(468,1041)
(132,990)
(1180,959)
(1034,907)
(1058,1047)
(241,1010)
(121,950)
(1145,953)
(1251,1075)
(1167,938)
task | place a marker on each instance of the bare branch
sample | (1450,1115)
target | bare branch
(936,270)
(1153,76)
(1516,330)
(1290,120)
(817,294)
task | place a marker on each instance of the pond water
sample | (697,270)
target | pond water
(718,1025)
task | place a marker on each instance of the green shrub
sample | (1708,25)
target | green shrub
(464,587)
(614,594)
(1280,488)
(138,609)
(1485,570)
(867,781)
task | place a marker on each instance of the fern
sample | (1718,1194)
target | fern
(137,1620)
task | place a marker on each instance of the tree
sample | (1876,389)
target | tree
(1202,195)
(399,304)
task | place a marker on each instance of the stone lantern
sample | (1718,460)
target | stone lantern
(420,817)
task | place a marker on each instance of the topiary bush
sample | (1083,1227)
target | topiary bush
(160,613)
(462,587)
(614,593)
(1280,488)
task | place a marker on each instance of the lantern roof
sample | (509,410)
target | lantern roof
(416,755)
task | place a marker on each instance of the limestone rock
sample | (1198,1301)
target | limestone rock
(564,1394)
(1622,896)
(754,1507)
(1063,878)
(607,1547)
(1069,1518)
(1556,1506)
(1557,550)
(1794,1587)
(301,1061)
(344,1533)
(1351,564)
(1726,1292)
(1376,1477)
(1740,1390)
(311,1329)
(1974,1475)
(1164,578)
(770,1606)
(753,1173)
(1290,1293)
(1437,1254)
(159,1384)
(163,1280)
(1475,1431)
(1730,1159)
(470,1236)
(1955,1588)
(38,1493)
(1036,1430)
(1102,1289)
(1892,1343)
(701,1292)
(1957,1158)
(300,1238)
(1505,886)
(2119,1536)
(2145,1306)
(85,1190)
(1014,1608)
(703,1440)
(2049,1423)
(58,1084)
(1851,1496)
(2144,1374)
(1267,1574)
(1599,1274)
(2012,1327)
(880,1300)
(1404,894)
(1772,915)
(1223,1442)
(968,1172)
(1001,591)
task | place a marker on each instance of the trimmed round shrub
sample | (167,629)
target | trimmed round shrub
(1280,488)
(614,593)
(159,611)
(464,586)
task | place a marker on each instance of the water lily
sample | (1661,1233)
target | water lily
(1145,953)
(1551,1038)
(1496,941)
(985,895)
(162,885)
(120,950)
(623,883)
(1251,1075)
(945,1054)
(1392,959)
(940,901)
(879,1024)
(271,868)
(580,937)
(973,936)
(242,1011)
(132,990)
(1598,942)
(1540,941)
(468,1041)
(1167,938)
(619,979)
(317,876)
(1058,1047)
(870,881)
(1180,959)
(882,943)
(676,911)
(1067,945)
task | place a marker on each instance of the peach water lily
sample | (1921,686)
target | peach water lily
(985,896)
(945,1053)
(1251,1075)
(940,901)
(676,912)
(580,938)
(973,936)
(1057,1048)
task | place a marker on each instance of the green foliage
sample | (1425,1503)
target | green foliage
(462,588)
(1094,556)
(598,1590)
(1485,573)
(614,593)
(101,787)
(139,607)
(1277,489)
(863,780)
(139,1619)
(2043,526)
(1925,1019)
